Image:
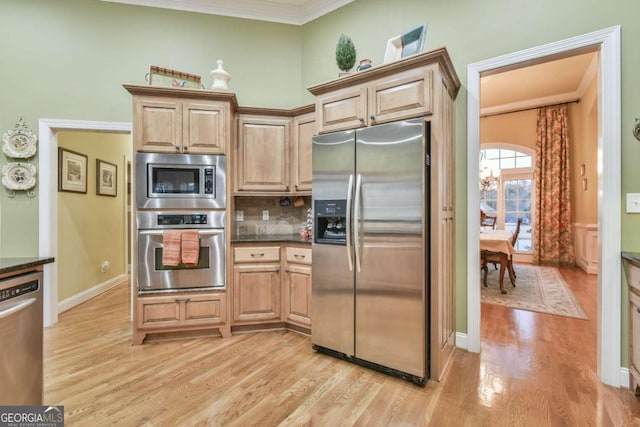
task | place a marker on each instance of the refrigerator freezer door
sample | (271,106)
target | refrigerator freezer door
(333,277)
(390,311)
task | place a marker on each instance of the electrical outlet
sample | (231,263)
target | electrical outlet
(239,216)
(265,215)
(633,202)
(105,266)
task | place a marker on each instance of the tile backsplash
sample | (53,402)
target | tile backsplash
(282,219)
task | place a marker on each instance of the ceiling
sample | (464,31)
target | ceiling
(546,83)
(296,12)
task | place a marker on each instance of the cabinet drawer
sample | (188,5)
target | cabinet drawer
(299,255)
(257,254)
(633,278)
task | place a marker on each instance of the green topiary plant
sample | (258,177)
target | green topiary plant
(345,53)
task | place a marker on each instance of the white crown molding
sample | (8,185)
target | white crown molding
(263,10)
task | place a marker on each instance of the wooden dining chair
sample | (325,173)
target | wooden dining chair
(487,257)
(487,220)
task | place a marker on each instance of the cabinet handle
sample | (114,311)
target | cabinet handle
(183,299)
(286,270)
(372,117)
(277,269)
(186,147)
(299,256)
(177,148)
(638,310)
(361,119)
(295,186)
(262,254)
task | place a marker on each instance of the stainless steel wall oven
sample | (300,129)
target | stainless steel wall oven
(207,273)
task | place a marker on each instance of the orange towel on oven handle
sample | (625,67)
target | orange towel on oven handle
(190,247)
(171,240)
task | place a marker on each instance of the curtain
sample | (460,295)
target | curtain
(553,233)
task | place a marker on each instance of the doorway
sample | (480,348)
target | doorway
(607,41)
(48,198)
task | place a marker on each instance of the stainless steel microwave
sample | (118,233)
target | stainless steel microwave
(180,181)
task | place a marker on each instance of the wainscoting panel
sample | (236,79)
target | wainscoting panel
(586,246)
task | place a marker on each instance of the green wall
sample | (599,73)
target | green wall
(68,59)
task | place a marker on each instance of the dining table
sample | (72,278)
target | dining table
(499,242)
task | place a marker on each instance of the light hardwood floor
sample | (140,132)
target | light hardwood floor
(534,370)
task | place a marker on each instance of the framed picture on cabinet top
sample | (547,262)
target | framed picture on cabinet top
(72,171)
(106,178)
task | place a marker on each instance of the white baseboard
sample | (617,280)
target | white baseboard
(461,340)
(624,377)
(87,294)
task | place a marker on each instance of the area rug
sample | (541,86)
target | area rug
(540,289)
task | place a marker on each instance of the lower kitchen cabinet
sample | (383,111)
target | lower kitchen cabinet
(297,287)
(633,282)
(256,293)
(180,312)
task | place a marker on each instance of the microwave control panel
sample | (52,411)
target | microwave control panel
(208,181)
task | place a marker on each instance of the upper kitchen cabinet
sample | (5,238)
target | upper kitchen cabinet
(168,120)
(382,94)
(274,151)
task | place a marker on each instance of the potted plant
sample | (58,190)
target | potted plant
(345,54)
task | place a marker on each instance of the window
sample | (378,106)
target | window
(511,196)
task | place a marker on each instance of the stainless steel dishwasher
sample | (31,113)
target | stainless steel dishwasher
(21,338)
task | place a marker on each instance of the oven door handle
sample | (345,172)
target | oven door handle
(213,232)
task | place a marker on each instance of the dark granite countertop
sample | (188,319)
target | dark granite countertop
(270,238)
(632,257)
(7,265)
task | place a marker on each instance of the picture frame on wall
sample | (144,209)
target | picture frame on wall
(72,171)
(106,178)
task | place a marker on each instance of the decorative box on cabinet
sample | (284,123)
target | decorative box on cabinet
(297,286)
(256,285)
(189,121)
(180,312)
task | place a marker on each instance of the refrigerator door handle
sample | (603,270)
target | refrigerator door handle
(356,221)
(348,224)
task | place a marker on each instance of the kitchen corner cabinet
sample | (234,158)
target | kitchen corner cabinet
(256,285)
(304,128)
(263,153)
(181,312)
(189,121)
(297,286)
(273,153)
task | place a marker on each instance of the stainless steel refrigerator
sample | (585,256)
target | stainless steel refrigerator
(370,247)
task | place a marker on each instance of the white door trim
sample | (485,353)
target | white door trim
(609,190)
(48,198)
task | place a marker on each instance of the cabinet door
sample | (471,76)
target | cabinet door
(256,293)
(158,125)
(263,154)
(343,109)
(297,297)
(158,312)
(406,95)
(205,310)
(304,127)
(204,128)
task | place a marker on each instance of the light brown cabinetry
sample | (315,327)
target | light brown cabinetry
(633,282)
(404,95)
(273,154)
(256,285)
(297,286)
(183,311)
(180,120)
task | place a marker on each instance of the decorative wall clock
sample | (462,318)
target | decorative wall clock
(20,142)
(19,176)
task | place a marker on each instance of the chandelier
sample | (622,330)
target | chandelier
(489,177)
